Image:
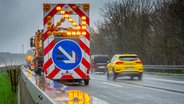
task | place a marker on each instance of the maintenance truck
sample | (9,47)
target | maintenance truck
(62,48)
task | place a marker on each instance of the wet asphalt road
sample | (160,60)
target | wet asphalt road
(152,89)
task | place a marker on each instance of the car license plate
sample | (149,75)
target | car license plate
(129,68)
(101,66)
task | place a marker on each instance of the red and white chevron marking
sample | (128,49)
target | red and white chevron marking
(52,72)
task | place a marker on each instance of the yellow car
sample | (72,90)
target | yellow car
(125,65)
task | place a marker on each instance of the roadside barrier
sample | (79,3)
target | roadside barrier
(37,94)
(178,69)
(46,91)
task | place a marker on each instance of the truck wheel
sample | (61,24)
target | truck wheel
(86,82)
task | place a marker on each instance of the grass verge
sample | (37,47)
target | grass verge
(6,94)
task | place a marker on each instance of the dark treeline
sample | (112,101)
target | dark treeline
(152,29)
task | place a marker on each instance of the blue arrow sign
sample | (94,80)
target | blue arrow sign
(66,54)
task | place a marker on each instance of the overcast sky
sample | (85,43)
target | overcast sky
(19,19)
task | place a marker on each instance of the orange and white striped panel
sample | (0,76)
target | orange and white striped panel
(82,71)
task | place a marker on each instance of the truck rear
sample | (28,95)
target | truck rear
(66,38)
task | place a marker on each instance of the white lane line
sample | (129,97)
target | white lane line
(165,80)
(112,84)
(98,101)
(97,78)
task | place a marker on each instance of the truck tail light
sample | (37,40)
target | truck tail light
(87,71)
(40,65)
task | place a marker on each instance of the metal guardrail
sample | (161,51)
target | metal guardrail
(165,68)
(147,68)
(37,94)
(46,91)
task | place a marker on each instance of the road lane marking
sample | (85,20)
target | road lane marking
(112,84)
(97,78)
(98,101)
(144,86)
(165,80)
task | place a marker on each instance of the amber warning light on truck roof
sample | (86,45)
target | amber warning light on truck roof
(75,30)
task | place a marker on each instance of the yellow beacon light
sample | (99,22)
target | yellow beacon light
(62,20)
(84,27)
(70,12)
(74,8)
(74,24)
(55,28)
(78,33)
(49,18)
(66,16)
(49,33)
(49,22)
(69,33)
(46,7)
(86,7)
(49,27)
(58,8)
(58,23)
(78,27)
(83,17)
(29,58)
(83,33)
(62,12)
(70,20)
(54,33)
(73,33)
(83,22)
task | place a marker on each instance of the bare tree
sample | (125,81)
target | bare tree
(153,30)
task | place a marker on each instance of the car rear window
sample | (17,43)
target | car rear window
(128,58)
(101,59)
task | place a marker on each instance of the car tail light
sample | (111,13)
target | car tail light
(93,64)
(139,62)
(119,63)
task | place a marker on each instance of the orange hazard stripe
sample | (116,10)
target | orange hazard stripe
(53,73)
(86,63)
(80,73)
(49,48)
(46,35)
(80,13)
(87,35)
(47,64)
(84,47)
(52,12)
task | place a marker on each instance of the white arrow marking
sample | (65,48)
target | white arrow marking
(71,59)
